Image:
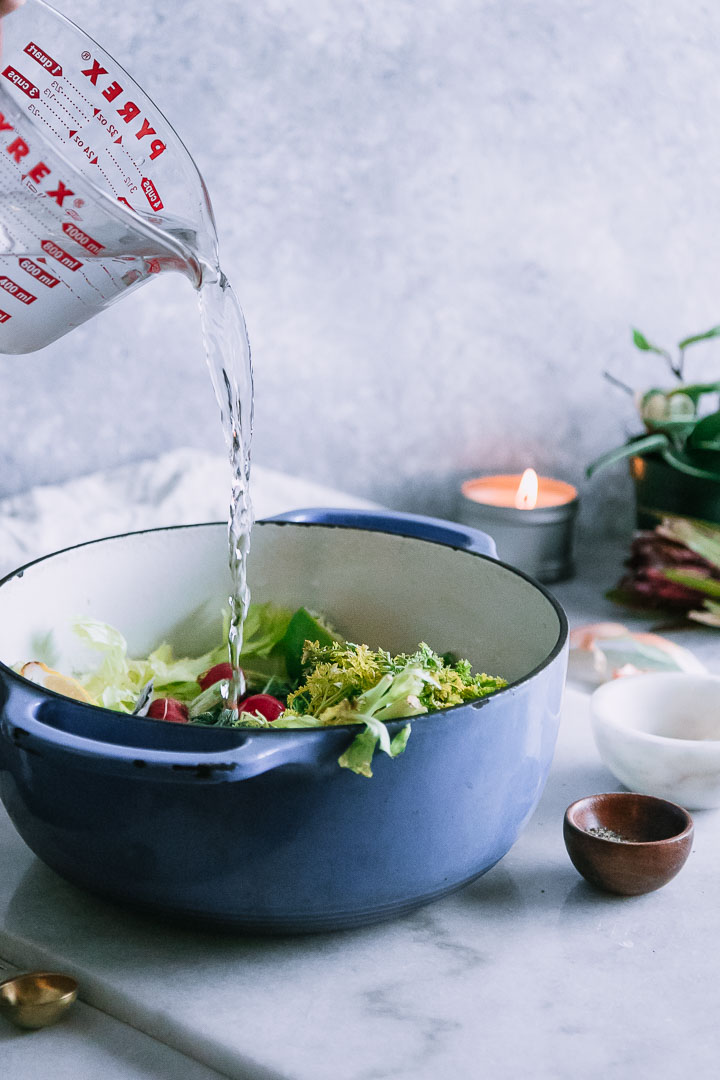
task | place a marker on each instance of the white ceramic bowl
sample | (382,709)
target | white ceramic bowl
(659,734)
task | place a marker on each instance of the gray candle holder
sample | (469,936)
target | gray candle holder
(538,541)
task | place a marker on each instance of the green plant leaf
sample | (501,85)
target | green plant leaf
(702,464)
(644,445)
(706,433)
(710,616)
(706,585)
(713,332)
(641,342)
(702,537)
(695,390)
(677,430)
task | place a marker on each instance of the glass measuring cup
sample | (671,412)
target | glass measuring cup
(97,192)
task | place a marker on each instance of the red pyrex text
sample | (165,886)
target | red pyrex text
(128,111)
(19,150)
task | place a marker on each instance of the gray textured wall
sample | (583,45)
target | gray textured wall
(441,216)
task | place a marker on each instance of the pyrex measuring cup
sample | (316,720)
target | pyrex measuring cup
(97,192)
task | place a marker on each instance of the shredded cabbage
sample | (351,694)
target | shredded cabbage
(325,682)
(118,681)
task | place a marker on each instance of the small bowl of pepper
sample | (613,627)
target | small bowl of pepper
(627,843)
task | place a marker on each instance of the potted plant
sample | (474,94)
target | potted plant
(675,462)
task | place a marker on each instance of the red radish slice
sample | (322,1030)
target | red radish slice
(215,674)
(168,709)
(265,704)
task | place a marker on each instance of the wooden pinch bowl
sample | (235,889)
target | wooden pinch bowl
(627,843)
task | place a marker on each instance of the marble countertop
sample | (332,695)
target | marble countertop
(526,972)
(88,1045)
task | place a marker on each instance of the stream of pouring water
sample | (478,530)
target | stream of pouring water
(228,356)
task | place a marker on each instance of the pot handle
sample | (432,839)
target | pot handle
(259,752)
(437,530)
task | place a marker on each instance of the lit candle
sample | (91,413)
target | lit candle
(530,518)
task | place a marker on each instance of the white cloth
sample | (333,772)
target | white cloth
(181,487)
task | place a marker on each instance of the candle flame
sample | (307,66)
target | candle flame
(527,492)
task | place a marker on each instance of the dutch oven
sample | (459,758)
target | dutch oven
(262,830)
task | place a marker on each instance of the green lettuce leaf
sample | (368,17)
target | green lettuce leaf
(359,754)
(118,681)
(264,628)
(304,627)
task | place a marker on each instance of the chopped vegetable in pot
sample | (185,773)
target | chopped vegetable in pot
(299,673)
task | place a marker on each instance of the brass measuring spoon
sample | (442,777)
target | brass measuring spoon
(36,999)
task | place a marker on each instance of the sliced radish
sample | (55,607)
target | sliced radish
(166,708)
(265,704)
(215,674)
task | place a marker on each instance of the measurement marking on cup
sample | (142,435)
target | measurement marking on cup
(37,273)
(78,108)
(60,118)
(94,286)
(47,245)
(114,281)
(36,112)
(109,181)
(85,147)
(131,159)
(21,82)
(118,166)
(151,194)
(16,290)
(110,128)
(77,91)
(4,316)
(62,256)
(48,94)
(42,58)
(82,238)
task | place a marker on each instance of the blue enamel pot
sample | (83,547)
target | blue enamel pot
(262,831)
